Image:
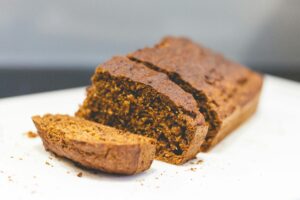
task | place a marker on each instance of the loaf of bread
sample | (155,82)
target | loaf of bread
(94,145)
(178,92)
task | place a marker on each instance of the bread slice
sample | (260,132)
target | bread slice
(94,145)
(227,93)
(130,96)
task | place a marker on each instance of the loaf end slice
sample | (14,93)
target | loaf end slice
(95,146)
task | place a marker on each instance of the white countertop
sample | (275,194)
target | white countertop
(260,160)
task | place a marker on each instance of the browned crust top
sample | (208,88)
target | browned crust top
(227,84)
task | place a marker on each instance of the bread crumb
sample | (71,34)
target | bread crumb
(31,134)
(199,161)
(47,163)
(141,181)
(79,174)
(193,169)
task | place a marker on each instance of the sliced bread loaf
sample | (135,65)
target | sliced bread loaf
(173,92)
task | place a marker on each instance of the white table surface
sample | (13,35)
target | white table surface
(260,160)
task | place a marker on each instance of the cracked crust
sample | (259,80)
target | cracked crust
(94,145)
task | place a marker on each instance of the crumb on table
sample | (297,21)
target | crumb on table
(79,174)
(196,162)
(31,134)
(193,169)
(199,161)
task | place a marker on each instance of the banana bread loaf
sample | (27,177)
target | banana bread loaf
(173,92)
(94,145)
(227,93)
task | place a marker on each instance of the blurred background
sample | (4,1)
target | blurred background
(48,45)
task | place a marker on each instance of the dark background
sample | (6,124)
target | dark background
(49,45)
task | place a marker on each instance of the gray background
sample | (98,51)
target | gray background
(57,44)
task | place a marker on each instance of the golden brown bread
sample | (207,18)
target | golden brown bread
(167,91)
(94,145)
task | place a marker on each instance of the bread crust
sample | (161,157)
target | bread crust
(240,115)
(121,66)
(119,157)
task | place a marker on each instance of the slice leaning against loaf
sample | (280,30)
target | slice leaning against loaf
(227,93)
(94,145)
(129,96)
